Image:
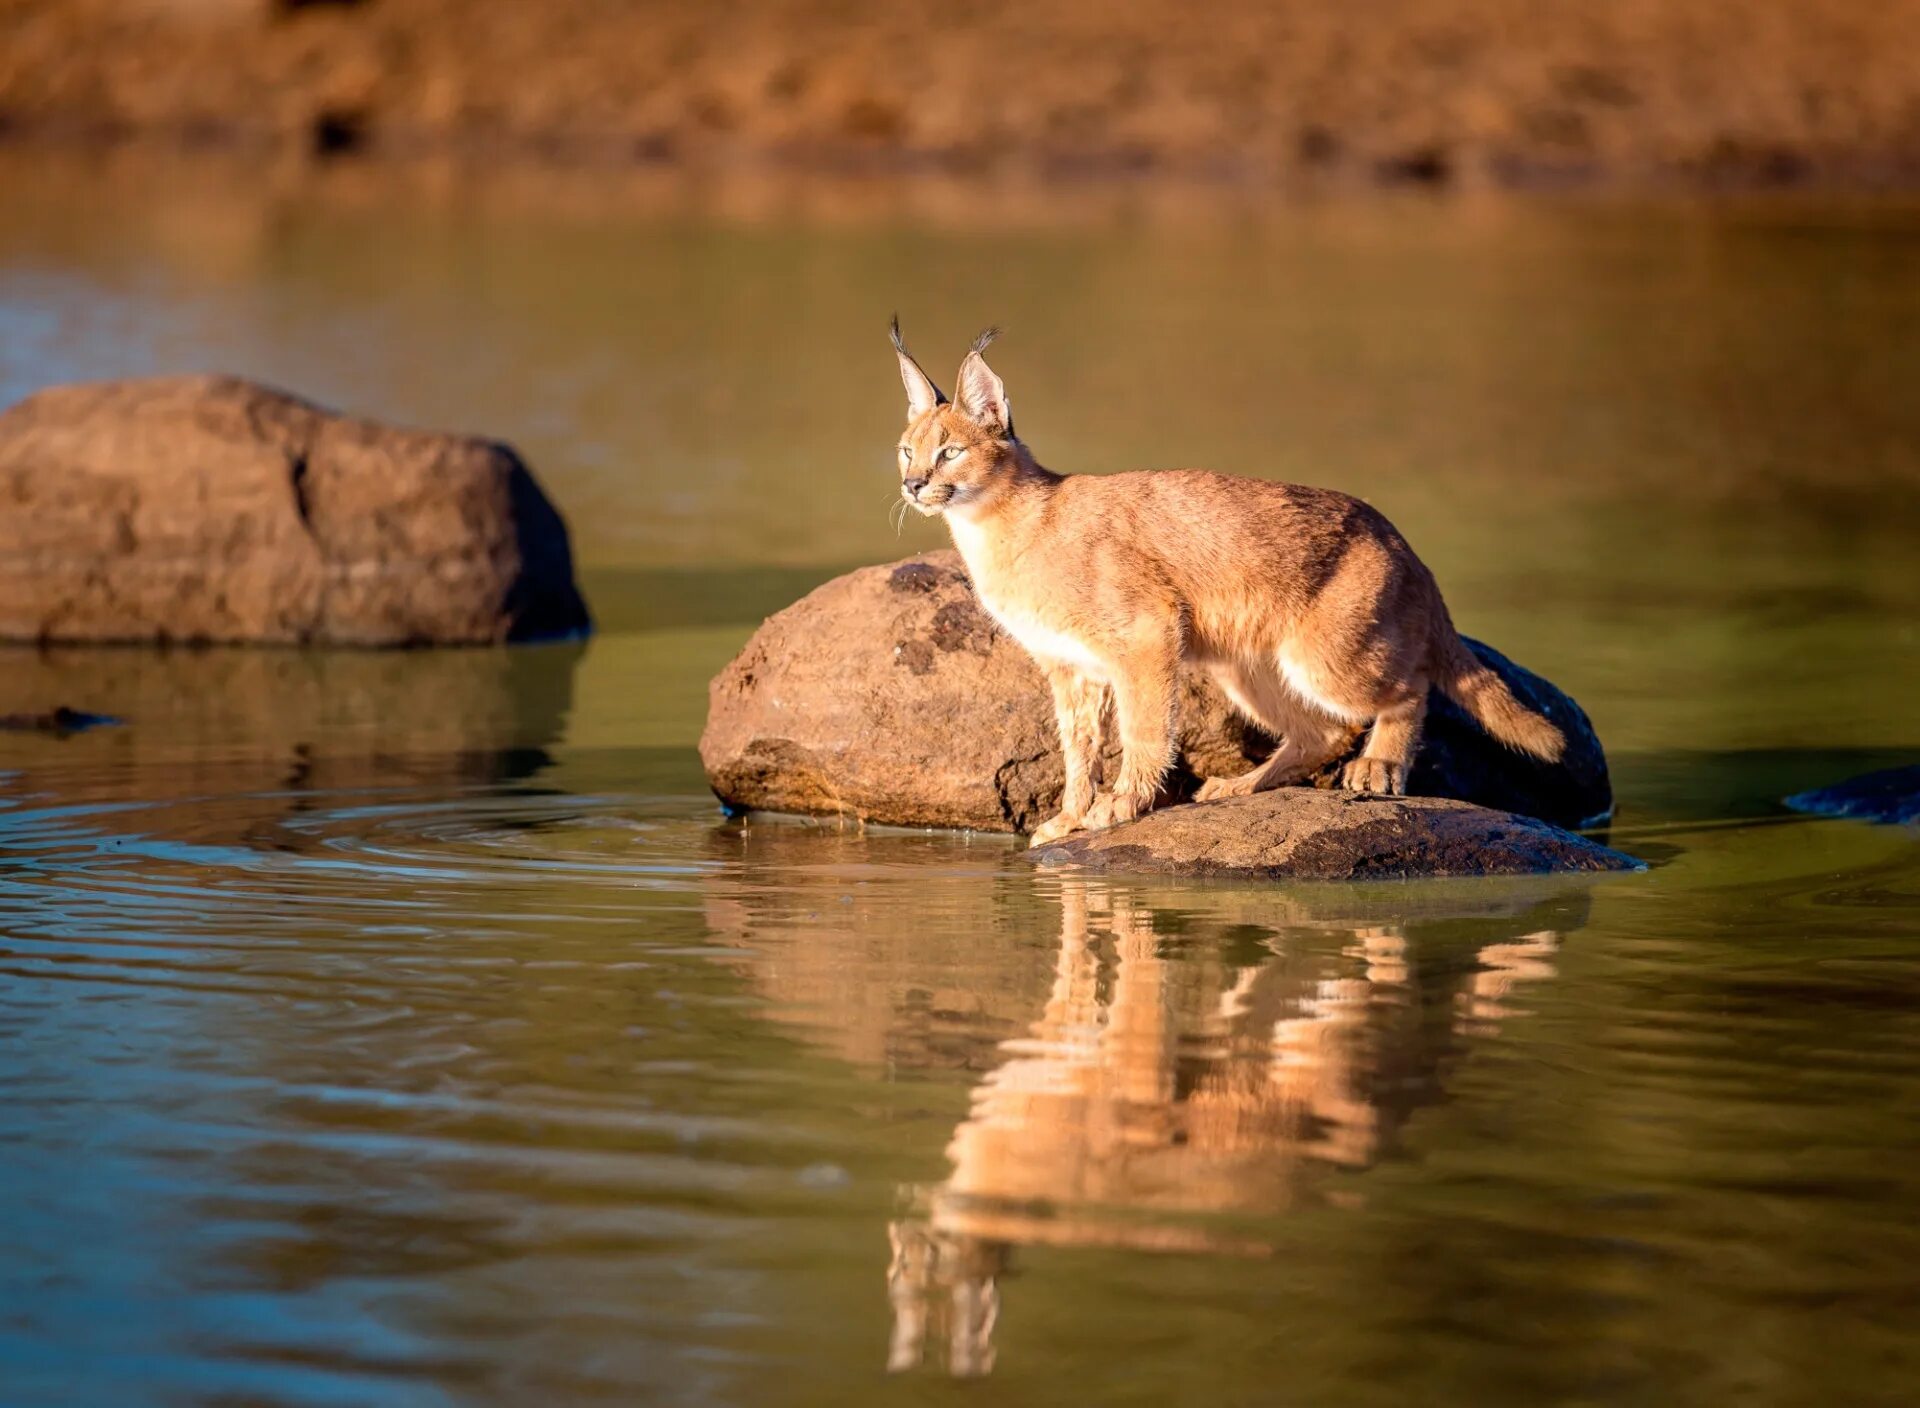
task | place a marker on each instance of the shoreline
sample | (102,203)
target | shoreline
(480,160)
(1627,97)
(752,188)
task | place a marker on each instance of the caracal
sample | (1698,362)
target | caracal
(1305,604)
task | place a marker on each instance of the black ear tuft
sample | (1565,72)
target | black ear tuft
(985,340)
(922,394)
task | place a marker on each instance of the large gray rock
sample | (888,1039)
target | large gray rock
(1298,833)
(889,694)
(202,509)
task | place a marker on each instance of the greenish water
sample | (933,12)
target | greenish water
(410,1029)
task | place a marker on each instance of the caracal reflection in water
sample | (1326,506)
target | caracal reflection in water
(1166,1083)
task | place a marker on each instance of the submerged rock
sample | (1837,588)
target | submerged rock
(1891,796)
(1298,833)
(60,721)
(204,508)
(889,694)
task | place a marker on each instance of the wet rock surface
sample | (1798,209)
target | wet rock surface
(1297,833)
(889,694)
(208,509)
(1889,796)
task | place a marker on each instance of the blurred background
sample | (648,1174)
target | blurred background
(1431,92)
(409,1028)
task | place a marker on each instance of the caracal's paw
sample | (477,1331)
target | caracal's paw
(1374,776)
(1213,787)
(1065,824)
(1115,808)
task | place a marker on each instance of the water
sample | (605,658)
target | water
(397,1030)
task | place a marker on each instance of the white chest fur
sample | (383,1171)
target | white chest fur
(1040,638)
(1043,642)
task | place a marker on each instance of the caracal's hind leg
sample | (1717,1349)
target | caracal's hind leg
(1309,737)
(1384,763)
(1368,668)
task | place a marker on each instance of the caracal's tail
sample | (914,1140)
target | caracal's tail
(1483,694)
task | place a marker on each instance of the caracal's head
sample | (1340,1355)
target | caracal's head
(956,456)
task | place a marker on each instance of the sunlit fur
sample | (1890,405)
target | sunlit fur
(1306,605)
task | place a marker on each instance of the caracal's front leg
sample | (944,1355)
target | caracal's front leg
(1145,694)
(1078,704)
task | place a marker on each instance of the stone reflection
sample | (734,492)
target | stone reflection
(226,716)
(1197,1062)
(236,745)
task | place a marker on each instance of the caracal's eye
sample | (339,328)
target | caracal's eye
(952,452)
(906,454)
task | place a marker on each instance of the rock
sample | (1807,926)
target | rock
(890,695)
(1458,759)
(60,721)
(1891,796)
(204,509)
(1298,833)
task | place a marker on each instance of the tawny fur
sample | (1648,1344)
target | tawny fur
(1307,606)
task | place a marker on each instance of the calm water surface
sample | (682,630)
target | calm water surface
(396,1030)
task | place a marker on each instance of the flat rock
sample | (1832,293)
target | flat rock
(206,509)
(1302,833)
(889,694)
(1890,796)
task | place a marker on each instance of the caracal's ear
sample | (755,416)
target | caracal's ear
(922,394)
(983,396)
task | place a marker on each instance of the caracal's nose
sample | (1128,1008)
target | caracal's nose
(914,486)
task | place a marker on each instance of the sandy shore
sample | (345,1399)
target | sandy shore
(1628,93)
